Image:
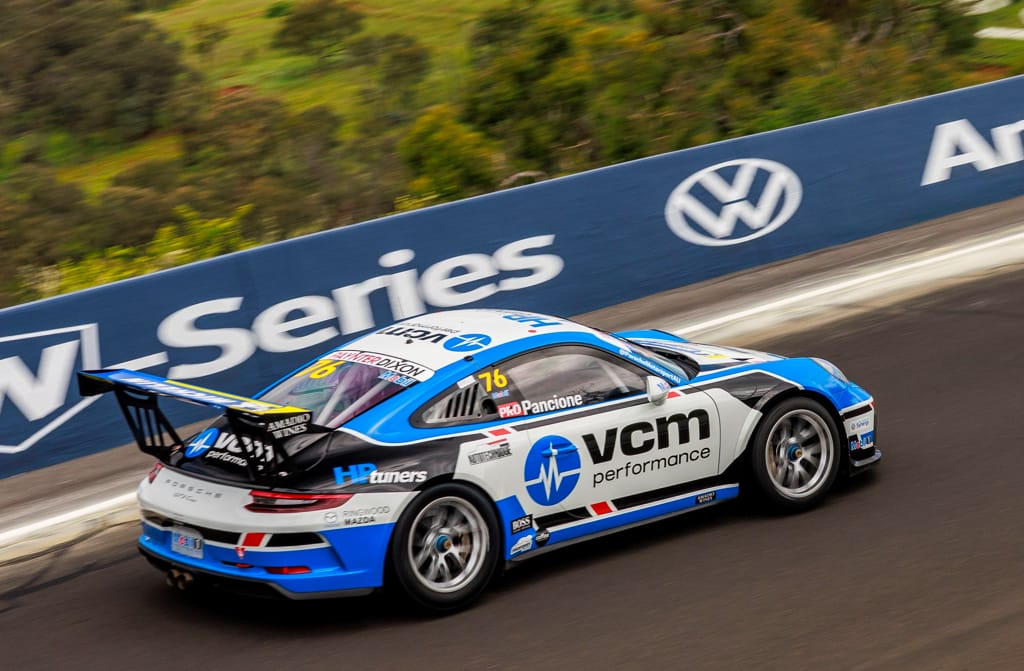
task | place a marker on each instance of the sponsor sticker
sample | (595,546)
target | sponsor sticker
(522,545)
(201,443)
(531,407)
(391,363)
(533,321)
(513,409)
(499,452)
(706,497)
(644,361)
(290,426)
(467,342)
(359,516)
(361,474)
(522,523)
(552,470)
(397,378)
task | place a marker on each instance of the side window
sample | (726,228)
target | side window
(565,377)
(555,378)
(466,405)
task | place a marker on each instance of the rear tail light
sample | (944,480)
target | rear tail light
(289,502)
(157,467)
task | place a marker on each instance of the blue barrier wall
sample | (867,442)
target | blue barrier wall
(565,246)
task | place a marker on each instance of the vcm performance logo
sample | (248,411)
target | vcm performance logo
(552,470)
(706,206)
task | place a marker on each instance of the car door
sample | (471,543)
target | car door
(597,438)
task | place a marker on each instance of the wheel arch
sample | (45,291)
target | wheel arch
(767,403)
(434,483)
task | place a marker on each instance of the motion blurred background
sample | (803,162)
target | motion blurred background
(137,135)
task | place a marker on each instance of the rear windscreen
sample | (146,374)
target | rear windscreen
(336,391)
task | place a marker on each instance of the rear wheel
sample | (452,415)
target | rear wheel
(795,454)
(445,547)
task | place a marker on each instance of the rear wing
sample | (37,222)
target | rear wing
(259,427)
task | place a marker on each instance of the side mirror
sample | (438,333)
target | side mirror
(657,389)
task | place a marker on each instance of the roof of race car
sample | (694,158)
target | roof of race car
(419,346)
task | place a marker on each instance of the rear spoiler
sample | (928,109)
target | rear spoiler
(260,427)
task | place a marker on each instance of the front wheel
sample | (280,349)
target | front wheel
(795,454)
(445,547)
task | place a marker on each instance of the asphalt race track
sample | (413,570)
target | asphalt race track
(918,566)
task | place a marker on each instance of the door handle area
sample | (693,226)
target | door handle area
(550,452)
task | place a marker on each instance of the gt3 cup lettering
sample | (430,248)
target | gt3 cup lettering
(641,437)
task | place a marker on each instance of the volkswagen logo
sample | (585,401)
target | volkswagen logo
(707,206)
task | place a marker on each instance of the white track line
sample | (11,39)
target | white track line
(127,500)
(100,509)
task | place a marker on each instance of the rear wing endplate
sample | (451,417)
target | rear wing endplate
(260,427)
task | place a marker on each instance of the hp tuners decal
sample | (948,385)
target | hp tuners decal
(552,470)
(467,342)
(201,443)
(362,474)
(706,206)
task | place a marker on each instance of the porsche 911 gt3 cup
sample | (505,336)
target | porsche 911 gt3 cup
(432,453)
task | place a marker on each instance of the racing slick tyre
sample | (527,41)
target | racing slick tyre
(446,547)
(795,454)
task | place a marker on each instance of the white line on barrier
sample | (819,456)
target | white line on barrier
(125,501)
(827,289)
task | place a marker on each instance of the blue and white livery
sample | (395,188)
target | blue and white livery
(433,453)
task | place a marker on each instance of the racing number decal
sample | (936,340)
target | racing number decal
(493,380)
(321,370)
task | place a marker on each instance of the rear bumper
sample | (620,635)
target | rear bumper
(246,586)
(350,563)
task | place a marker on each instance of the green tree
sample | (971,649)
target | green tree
(175,244)
(86,66)
(528,89)
(399,64)
(206,36)
(449,160)
(318,28)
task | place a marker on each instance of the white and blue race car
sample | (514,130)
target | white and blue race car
(432,453)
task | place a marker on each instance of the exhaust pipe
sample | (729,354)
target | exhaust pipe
(180,580)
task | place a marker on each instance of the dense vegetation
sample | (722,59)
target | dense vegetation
(543,89)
